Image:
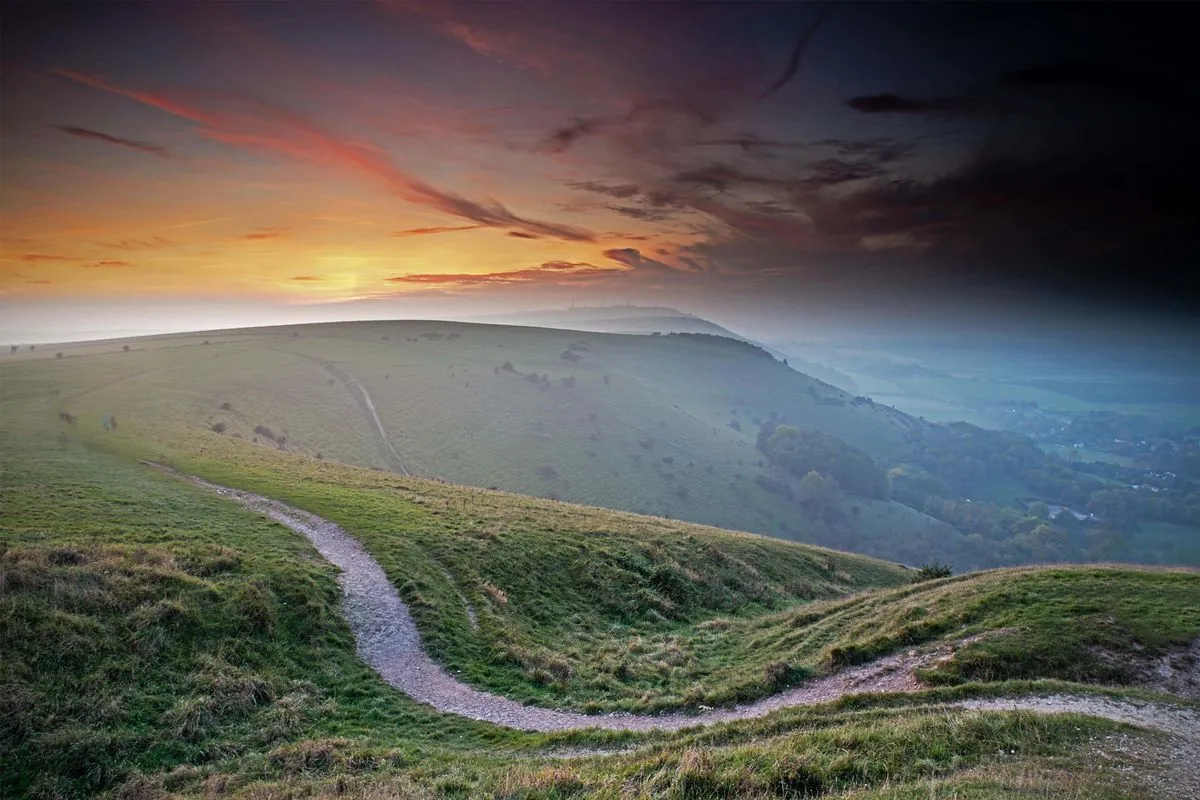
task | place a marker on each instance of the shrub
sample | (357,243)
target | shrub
(58,354)
(227,406)
(570,355)
(217,427)
(933,570)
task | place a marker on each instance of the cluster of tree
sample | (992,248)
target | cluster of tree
(797,452)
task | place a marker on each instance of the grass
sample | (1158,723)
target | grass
(161,640)
(643,428)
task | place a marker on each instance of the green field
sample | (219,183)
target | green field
(159,640)
(655,425)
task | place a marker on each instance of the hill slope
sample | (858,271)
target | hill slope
(615,319)
(664,425)
(161,639)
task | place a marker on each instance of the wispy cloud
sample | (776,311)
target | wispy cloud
(44,257)
(267,233)
(259,126)
(100,136)
(548,272)
(153,243)
(434,230)
(108,263)
(308,278)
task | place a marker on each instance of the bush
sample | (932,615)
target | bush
(217,427)
(933,570)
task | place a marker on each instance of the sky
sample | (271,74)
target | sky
(211,161)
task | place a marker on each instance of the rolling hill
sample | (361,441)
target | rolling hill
(614,319)
(160,640)
(685,426)
(662,425)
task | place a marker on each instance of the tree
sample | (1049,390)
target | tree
(125,348)
(12,349)
(802,451)
(818,492)
(58,354)
(933,570)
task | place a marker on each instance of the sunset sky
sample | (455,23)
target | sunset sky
(680,153)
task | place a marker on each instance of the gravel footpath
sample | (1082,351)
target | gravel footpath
(388,640)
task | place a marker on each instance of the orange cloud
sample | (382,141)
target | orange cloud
(438,229)
(267,233)
(550,271)
(154,243)
(43,257)
(107,264)
(262,127)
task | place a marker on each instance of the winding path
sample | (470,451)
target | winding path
(388,640)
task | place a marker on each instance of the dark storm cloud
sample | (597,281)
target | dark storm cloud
(99,136)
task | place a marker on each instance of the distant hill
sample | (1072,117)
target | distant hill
(688,426)
(664,425)
(615,319)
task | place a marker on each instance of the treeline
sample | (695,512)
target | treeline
(945,467)
(797,452)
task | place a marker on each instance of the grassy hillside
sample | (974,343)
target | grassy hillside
(159,639)
(661,425)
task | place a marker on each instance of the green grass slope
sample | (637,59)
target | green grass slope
(160,640)
(661,425)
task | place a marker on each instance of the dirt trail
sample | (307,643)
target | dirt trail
(364,402)
(388,640)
